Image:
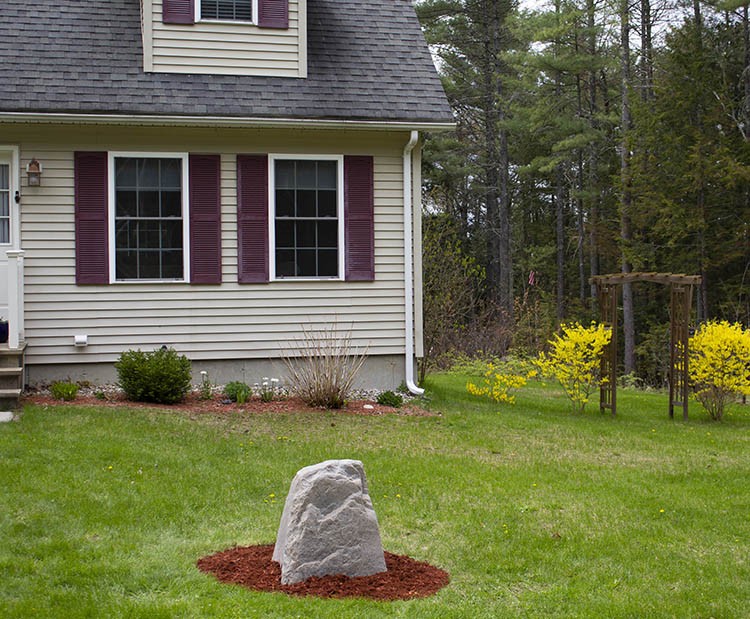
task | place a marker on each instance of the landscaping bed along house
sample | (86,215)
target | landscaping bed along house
(361,404)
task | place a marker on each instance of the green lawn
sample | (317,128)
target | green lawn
(534,512)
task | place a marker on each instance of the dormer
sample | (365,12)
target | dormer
(225,37)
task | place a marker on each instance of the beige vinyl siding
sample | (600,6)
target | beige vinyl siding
(205,322)
(225,47)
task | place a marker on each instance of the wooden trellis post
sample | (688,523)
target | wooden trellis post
(681,295)
(679,334)
(608,295)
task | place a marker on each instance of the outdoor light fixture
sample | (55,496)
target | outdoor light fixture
(34,173)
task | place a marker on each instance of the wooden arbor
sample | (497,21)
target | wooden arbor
(679,319)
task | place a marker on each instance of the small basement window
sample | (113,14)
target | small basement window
(229,10)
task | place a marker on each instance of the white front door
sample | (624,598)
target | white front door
(7,201)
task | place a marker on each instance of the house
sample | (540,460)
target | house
(211,175)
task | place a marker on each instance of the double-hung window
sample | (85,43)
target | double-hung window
(307,217)
(230,10)
(148,217)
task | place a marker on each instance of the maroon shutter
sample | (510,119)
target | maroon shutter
(178,12)
(91,218)
(273,13)
(252,218)
(359,219)
(205,220)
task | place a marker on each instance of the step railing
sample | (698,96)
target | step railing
(15,297)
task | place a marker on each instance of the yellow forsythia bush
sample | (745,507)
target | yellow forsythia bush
(497,385)
(574,360)
(719,364)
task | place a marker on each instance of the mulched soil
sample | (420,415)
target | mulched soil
(218,405)
(252,567)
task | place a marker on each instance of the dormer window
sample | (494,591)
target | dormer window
(262,13)
(239,10)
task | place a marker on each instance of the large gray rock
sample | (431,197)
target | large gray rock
(328,525)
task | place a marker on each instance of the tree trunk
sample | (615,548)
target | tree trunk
(647,52)
(580,233)
(559,198)
(626,199)
(579,187)
(700,197)
(560,240)
(506,258)
(746,72)
(499,264)
(593,155)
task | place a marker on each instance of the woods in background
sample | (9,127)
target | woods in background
(592,137)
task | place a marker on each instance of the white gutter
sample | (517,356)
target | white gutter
(409,265)
(217,121)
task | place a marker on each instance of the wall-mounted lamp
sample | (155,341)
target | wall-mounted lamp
(34,173)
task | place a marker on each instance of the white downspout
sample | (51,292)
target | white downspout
(409,265)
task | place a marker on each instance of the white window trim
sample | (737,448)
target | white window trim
(253,21)
(185,216)
(10,154)
(339,159)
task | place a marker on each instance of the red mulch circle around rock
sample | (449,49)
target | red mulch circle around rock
(252,567)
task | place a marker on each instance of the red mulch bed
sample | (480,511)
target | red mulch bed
(252,567)
(218,405)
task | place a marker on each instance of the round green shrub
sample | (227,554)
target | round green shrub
(388,398)
(160,376)
(236,390)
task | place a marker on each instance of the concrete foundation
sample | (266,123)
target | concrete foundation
(379,372)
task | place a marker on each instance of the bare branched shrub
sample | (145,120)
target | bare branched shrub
(323,366)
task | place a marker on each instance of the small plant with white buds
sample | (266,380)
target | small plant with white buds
(206,388)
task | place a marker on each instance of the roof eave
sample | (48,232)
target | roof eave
(222,121)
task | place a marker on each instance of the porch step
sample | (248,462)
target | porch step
(9,399)
(11,375)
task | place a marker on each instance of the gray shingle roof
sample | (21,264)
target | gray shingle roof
(367,61)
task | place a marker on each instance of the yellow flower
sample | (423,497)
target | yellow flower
(497,385)
(719,358)
(575,359)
